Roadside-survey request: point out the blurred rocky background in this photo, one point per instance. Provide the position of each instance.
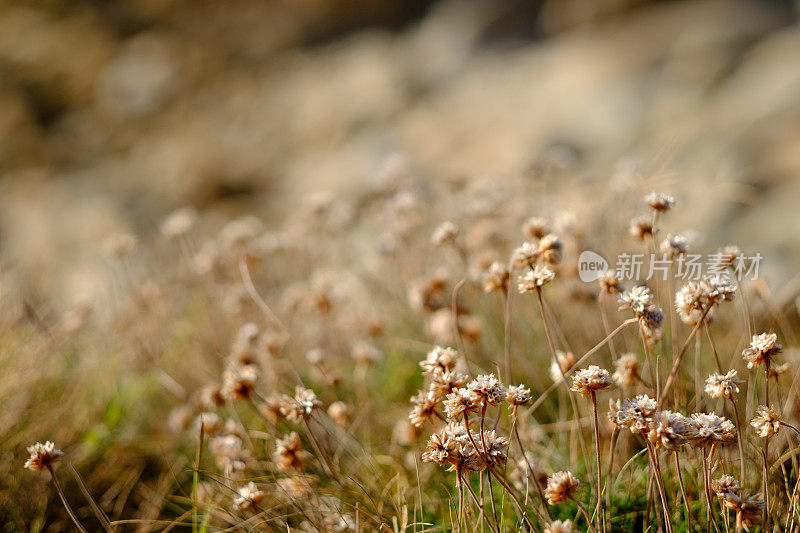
(115, 112)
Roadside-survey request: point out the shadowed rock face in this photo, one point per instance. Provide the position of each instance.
(116, 112)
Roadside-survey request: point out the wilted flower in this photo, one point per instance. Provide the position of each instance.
(425, 404)
(635, 414)
(641, 227)
(496, 277)
(444, 233)
(248, 498)
(533, 279)
(210, 422)
(610, 282)
(493, 448)
(179, 223)
(535, 228)
(439, 360)
(289, 452)
(443, 383)
(563, 360)
(767, 421)
(458, 402)
(526, 255)
(659, 201)
(669, 430)
(561, 486)
(43, 456)
(636, 299)
(710, 428)
(590, 380)
(518, 395)
(560, 526)
(626, 370)
(486, 389)
(239, 382)
(725, 484)
(340, 412)
(761, 350)
(550, 249)
(718, 385)
(674, 246)
(748, 509)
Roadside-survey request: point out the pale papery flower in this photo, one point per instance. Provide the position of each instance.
(626, 370)
(761, 350)
(238, 382)
(591, 380)
(634, 414)
(495, 278)
(725, 484)
(767, 421)
(43, 456)
(723, 386)
(669, 430)
(550, 249)
(486, 390)
(659, 201)
(560, 526)
(424, 407)
(211, 423)
(610, 283)
(439, 359)
(561, 486)
(636, 299)
(493, 448)
(458, 402)
(179, 223)
(247, 498)
(525, 256)
(289, 452)
(674, 246)
(535, 279)
(749, 507)
(443, 383)
(641, 227)
(710, 428)
(444, 233)
(563, 360)
(535, 228)
(518, 395)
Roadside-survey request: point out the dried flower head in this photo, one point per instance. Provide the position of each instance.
(550, 249)
(767, 421)
(211, 423)
(641, 227)
(610, 283)
(365, 353)
(651, 320)
(761, 350)
(247, 498)
(561, 486)
(439, 360)
(289, 452)
(443, 383)
(458, 402)
(212, 397)
(179, 223)
(238, 383)
(533, 279)
(726, 256)
(590, 380)
(535, 228)
(634, 414)
(674, 246)
(526, 255)
(486, 389)
(518, 395)
(340, 413)
(496, 277)
(725, 484)
(493, 448)
(659, 201)
(710, 428)
(560, 526)
(626, 370)
(748, 508)
(424, 407)
(669, 430)
(43, 456)
(445, 233)
(636, 299)
(723, 386)
(306, 400)
(562, 363)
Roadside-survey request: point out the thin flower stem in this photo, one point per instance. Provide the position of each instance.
(738, 438)
(766, 516)
(676, 365)
(60, 492)
(599, 511)
(683, 492)
(585, 513)
(654, 463)
(483, 443)
(480, 504)
(531, 473)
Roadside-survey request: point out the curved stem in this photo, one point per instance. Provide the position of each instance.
(60, 492)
